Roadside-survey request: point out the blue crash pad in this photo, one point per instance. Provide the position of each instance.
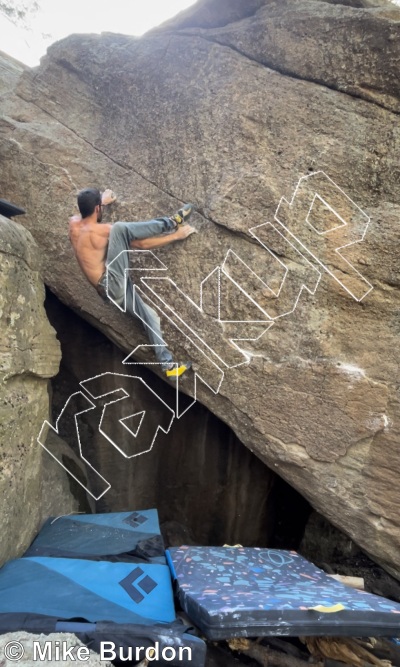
(244, 592)
(69, 588)
(116, 536)
(130, 604)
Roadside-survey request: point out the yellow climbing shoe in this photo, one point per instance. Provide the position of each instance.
(175, 370)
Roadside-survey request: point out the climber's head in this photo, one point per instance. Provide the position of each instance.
(88, 200)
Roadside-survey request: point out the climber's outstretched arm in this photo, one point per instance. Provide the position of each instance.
(158, 241)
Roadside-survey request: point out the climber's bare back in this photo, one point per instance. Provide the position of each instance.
(90, 243)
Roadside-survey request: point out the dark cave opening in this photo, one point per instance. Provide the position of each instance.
(207, 486)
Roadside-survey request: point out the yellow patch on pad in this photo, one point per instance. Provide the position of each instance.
(328, 610)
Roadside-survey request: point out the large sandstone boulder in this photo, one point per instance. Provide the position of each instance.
(231, 114)
(29, 355)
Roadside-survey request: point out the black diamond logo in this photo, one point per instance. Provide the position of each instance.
(146, 583)
(135, 519)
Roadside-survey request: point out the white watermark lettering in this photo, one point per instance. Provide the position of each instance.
(110, 651)
(61, 651)
(56, 651)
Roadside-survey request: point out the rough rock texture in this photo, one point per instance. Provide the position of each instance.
(29, 355)
(231, 117)
(61, 493)
(35, 645)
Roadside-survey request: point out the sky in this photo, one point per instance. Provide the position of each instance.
(58, 18)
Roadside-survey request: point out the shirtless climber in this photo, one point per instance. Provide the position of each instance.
(100, 246)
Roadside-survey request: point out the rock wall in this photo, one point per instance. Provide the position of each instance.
(63, 493)
(230, 113)
(29, 356)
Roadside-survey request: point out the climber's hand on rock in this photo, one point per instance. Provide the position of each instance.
(184, 231)
(108, 197)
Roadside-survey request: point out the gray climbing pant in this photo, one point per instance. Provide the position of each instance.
(116, 284)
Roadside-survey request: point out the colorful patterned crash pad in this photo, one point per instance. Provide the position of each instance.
(250, 592)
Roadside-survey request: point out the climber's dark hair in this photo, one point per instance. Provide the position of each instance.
(88, 199)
